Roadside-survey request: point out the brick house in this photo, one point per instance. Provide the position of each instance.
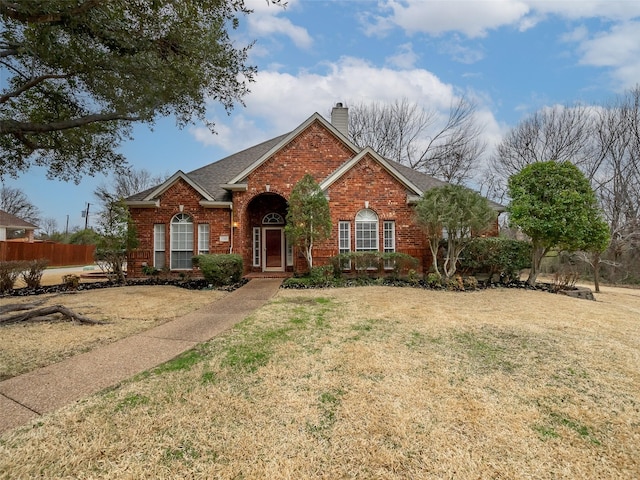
(239, 203)
(10, 224)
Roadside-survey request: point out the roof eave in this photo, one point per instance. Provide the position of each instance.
(210, 204)
(163, 187)
(143, 203)
(235, 187)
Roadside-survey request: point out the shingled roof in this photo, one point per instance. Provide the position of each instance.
(8, 220)
(213, 176)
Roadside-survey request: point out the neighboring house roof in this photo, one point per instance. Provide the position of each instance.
(216, 180)
(8, 220)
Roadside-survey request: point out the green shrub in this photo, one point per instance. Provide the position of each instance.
(495, 257)
(470, 283)
(434, 280)
(321, 274)
(224, 269)
(32, 275)
(400, 264)
(150, 270)
(71, 281)
(9, 273)
(374, 263)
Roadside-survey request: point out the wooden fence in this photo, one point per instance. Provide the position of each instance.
(58, 254)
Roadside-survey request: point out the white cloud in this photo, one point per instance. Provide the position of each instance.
(616, 10)
(404, 58)
(279, 102)
(270, 25)
(471, 18)
(459, 52)
(266, 21)
(618, 49)
(475, 18)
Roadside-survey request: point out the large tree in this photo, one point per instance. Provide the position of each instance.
(452, 212)
(447, 148)
(14, 201)
(554, 204)
(77, 73)
(308, 218)
(617, 179)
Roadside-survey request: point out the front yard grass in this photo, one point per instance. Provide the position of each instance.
(129, 310)
(374, 382)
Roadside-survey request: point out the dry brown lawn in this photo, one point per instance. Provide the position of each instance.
(367, 383)
(128, 310)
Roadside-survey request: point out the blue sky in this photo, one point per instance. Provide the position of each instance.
(511, 56)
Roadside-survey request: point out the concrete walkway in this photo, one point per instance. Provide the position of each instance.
(27, 396)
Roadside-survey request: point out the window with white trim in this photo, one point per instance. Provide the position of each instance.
(344, 241)
(289, 253)
(389, 240)
(158, 245)
(181, 242)
(273, 219)
(203, 238)
(256, 246)
(366, 231)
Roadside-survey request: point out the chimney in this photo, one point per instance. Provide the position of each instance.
(340, 118)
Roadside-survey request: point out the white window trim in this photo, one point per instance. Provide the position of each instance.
(172, 243)
(256, 247)
(347, 241)
(368, 216)
(203, 238)
(159, 246)
(386, 237)
(289, 247)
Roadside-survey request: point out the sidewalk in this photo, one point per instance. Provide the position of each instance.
(27, 396)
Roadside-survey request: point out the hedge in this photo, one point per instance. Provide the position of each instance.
(223, 269)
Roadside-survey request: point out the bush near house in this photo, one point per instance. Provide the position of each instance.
(496, 258)
(9, 273)
(393, 264)
(223, 269)
(30, 270)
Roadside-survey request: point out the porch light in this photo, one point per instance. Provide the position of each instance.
(235, 224)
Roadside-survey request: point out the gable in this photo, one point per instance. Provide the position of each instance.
(311, 135)
(370, 155)
(367, 180)
(315, 151)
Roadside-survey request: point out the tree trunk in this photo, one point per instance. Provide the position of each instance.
(596, 271)
(433, 246)
(309, 256)
(538, 255)
(33, 313)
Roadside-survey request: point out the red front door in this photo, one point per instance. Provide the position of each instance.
(273, 249)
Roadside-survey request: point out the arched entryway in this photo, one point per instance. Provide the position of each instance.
(270, 252)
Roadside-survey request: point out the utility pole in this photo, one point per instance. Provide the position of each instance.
(66, 230)
(86, 216)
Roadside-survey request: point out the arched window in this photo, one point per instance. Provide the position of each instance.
(273, 219)
(366, 231)
(181, 242)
